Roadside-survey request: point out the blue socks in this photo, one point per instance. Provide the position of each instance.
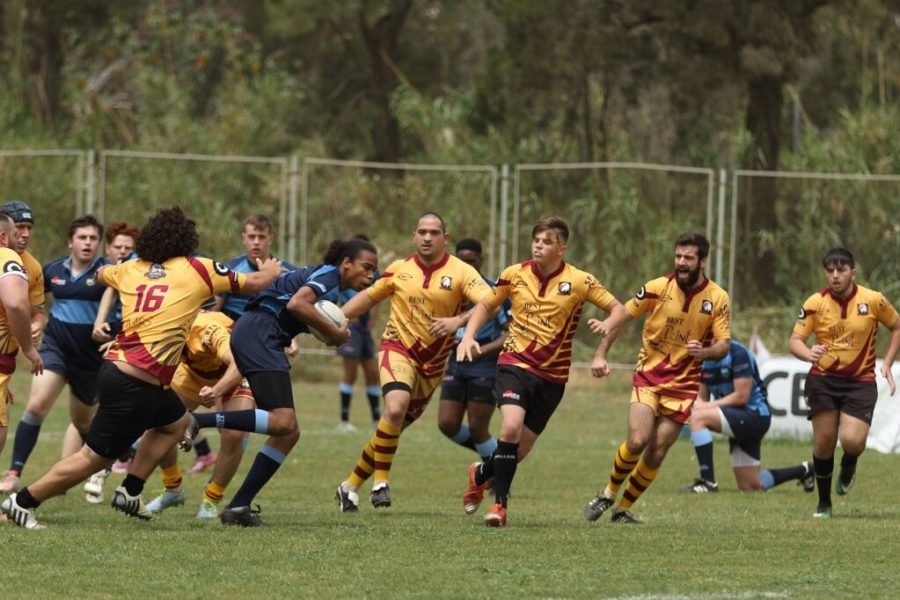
(703, 446)
(27, 432)
(266, 463)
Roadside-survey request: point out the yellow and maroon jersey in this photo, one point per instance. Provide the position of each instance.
(848, 328)
(545, 314)
(208, 341)
(159, 303)
(35, 279)
(420, 293)
(10, 266)
(677, 317)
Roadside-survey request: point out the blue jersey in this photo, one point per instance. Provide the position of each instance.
(235, 304)
(719, 376)
(76, 300)
(484, 366)
(324, 280)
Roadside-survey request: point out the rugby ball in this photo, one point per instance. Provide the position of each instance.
(330, 311)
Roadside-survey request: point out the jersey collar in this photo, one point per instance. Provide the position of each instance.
(689, 294)
(844, 302)
(544, 281)
(428, 270)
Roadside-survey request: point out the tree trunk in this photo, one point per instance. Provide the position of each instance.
(765, 101)
(381, 42)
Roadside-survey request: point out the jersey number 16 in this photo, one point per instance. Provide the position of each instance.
(150, 297)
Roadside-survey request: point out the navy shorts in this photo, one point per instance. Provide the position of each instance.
(81, 378)
(537, 396)
(479, 390)
(748, 428)
(128, 407)
(258, 343)
(361, 345)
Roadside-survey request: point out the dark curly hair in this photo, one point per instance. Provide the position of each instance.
(339, 249)
(168, 234)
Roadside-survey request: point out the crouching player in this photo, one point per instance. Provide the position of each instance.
(207, 375)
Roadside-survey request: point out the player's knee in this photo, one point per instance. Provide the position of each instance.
(448, 427)
(285, 426)
(636, 443)
(393, 413)
(232, 438)
(853, 446)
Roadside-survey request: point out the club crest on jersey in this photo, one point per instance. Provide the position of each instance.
(90, 281)
(13, 267)
(446, 282)
(862, 308)
(156, 272)
(565, 288)
(706, 307)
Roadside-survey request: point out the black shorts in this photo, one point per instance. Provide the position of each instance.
(271, 389)
(361, 345)
(850, 396)
(82, 380)
(128, 407)
(479, 390)
(537, 396)
(748, 428)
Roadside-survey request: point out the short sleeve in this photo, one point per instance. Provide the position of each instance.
(806, 320)
(887, 314)
(646, 298)
(740, 362)
(721, 328)
(384, 285)
(596, 293)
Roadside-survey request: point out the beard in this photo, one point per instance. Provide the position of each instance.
(693, 276)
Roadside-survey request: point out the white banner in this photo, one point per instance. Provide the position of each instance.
(785, 376)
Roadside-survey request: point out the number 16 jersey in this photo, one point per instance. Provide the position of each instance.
(159, 303)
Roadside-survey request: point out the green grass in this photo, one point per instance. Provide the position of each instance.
(726, 545)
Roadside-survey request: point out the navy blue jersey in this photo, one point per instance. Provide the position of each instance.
(483, 366)
(76, 300)
(324, 280)
(719, 376)
(235, 304)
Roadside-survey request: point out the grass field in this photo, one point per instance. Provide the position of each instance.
(725, 545)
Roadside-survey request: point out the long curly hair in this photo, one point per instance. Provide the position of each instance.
(168, 234)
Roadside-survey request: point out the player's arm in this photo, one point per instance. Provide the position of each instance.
(797, 346)
(716, 351)
(891, 354)
(468, 348)
(38, 323)
(210, 394)
(356, 306)
(268, 271)
(302, 307)
(743, 386)
(14, 296)
(102, 329)
(703, 393)
(608, 330)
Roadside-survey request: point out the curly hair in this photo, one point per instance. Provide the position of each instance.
(121, 228)
(339, 249)
(168, 234)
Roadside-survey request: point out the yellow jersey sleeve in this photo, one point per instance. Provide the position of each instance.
(646, 298)
(384, 286)
(596, 293)
(806, 320)
(35, 279)
(885, 312)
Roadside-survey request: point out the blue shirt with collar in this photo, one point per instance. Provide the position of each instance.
(235, 304)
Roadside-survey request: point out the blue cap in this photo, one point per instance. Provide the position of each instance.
(19, 211)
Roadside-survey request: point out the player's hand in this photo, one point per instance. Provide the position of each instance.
(292, 350)
(444, 326)
(208, 396)
(37, 365)
(105, 346)
(341, 339)
(599, 367)
(694, 348)
(598, 327)
(101, 333)
(886, 372)
(270, 266)
(467, 350)
(36, 334)
(9, 397)
(817, 352)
